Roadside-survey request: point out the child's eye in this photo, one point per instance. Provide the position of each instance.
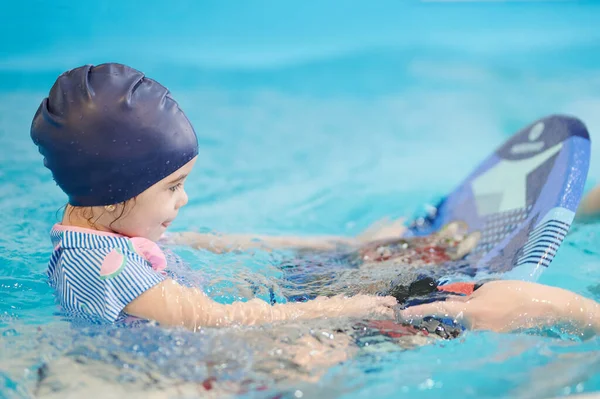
(175, 187)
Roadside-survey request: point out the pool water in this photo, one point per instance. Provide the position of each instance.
(312, 119)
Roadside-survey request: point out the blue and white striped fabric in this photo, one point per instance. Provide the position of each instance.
(95, 274)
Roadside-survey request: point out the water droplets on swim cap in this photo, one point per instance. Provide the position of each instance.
(107, 133)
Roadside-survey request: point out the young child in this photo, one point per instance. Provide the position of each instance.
(121, 149)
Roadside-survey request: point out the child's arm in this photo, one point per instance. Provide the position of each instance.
(232, 242)
(175, 305)
(512, 305)
(224, 243)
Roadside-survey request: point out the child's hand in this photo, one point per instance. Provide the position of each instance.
(357, 306)
(505, 306)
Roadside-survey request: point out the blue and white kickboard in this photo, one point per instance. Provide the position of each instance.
(522, 199)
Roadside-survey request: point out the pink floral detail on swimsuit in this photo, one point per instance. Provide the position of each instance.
(112, 264)
(150, 251)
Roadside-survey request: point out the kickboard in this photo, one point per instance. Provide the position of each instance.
(522, 200)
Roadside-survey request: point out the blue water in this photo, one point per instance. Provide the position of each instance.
(313, 119)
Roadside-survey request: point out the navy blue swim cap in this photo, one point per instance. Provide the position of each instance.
(108, 133)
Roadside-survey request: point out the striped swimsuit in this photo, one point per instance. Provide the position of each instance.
(97, 274)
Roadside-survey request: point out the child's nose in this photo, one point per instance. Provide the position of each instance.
(182, 200)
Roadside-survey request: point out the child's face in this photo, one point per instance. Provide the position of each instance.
(152, 211)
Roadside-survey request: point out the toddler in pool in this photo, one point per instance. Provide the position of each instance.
(121, 149)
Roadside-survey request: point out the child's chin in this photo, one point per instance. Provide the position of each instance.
(154, 235)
